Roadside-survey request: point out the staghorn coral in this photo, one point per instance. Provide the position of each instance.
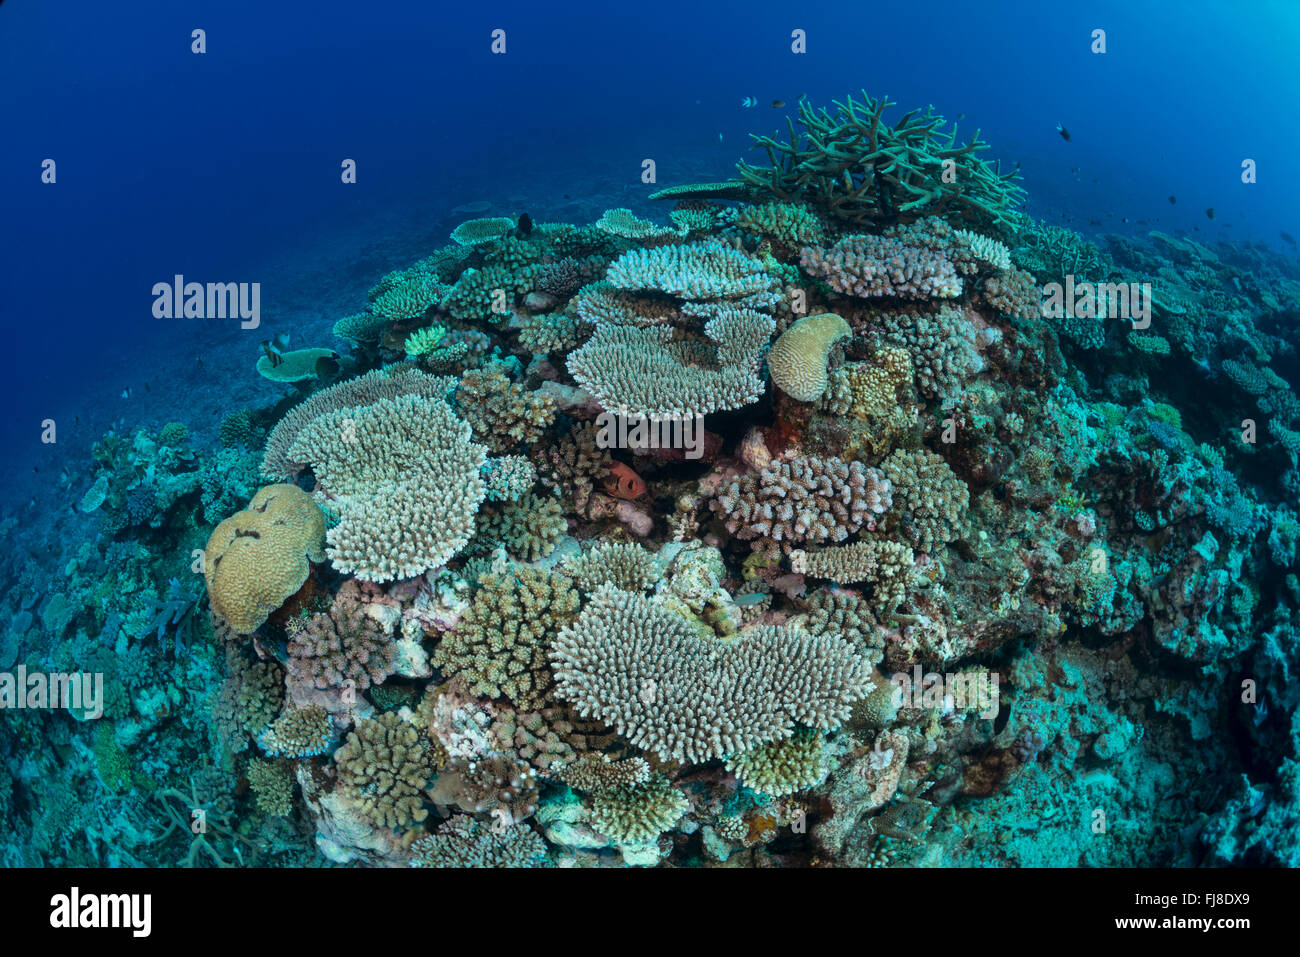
(502, 414)
(626, 566)
(799, 356)
(855, 167)
(498, 648)
(647, 673)
(782, 767)
(404, 477)
(383, 767)
(930, 501)
(803, 499)
(260, 556)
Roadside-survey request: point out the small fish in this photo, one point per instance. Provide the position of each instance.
(1210, 212)
(1074, 169)
(126, 393)
(146, 387)
(275, 347)
(719, 137)
(1124, 220)
(749, 102)
(1172, 200)
(1143, 222)
(777, 104)
(624, 483)
(36, 469)
(960, 117)
(753, 599)
(1287, 237)
(1065, 134)
(76, 420)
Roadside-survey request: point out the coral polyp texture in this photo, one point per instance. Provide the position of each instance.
(782, 524)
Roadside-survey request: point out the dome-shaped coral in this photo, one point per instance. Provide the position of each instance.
(257, 558)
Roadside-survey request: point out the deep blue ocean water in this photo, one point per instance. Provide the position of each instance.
(226, 165)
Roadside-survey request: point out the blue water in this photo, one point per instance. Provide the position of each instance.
(226, 165)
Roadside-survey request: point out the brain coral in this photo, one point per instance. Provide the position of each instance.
(803, 499)
(647, 673)
(405, 477)
(257, 558)
(799, 355)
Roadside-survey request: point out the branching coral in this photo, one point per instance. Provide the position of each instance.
(383, 768)
(502, 414)
(466, 842)
(527, 528)
(499, 646)
(298, 733)
(783, 767)
(344, 647)
(856, 167)
(647, 673)
(639, 812)
(629, 567)
(930, 501)
(886, 566)
(803, 499)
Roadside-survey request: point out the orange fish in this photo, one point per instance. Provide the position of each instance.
(622, 482)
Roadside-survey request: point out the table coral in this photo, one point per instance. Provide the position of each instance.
(650, 675)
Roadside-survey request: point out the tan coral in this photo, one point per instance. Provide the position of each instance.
(257, 558)
(799, 356)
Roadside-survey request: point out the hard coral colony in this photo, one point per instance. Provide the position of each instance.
(447, 624)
